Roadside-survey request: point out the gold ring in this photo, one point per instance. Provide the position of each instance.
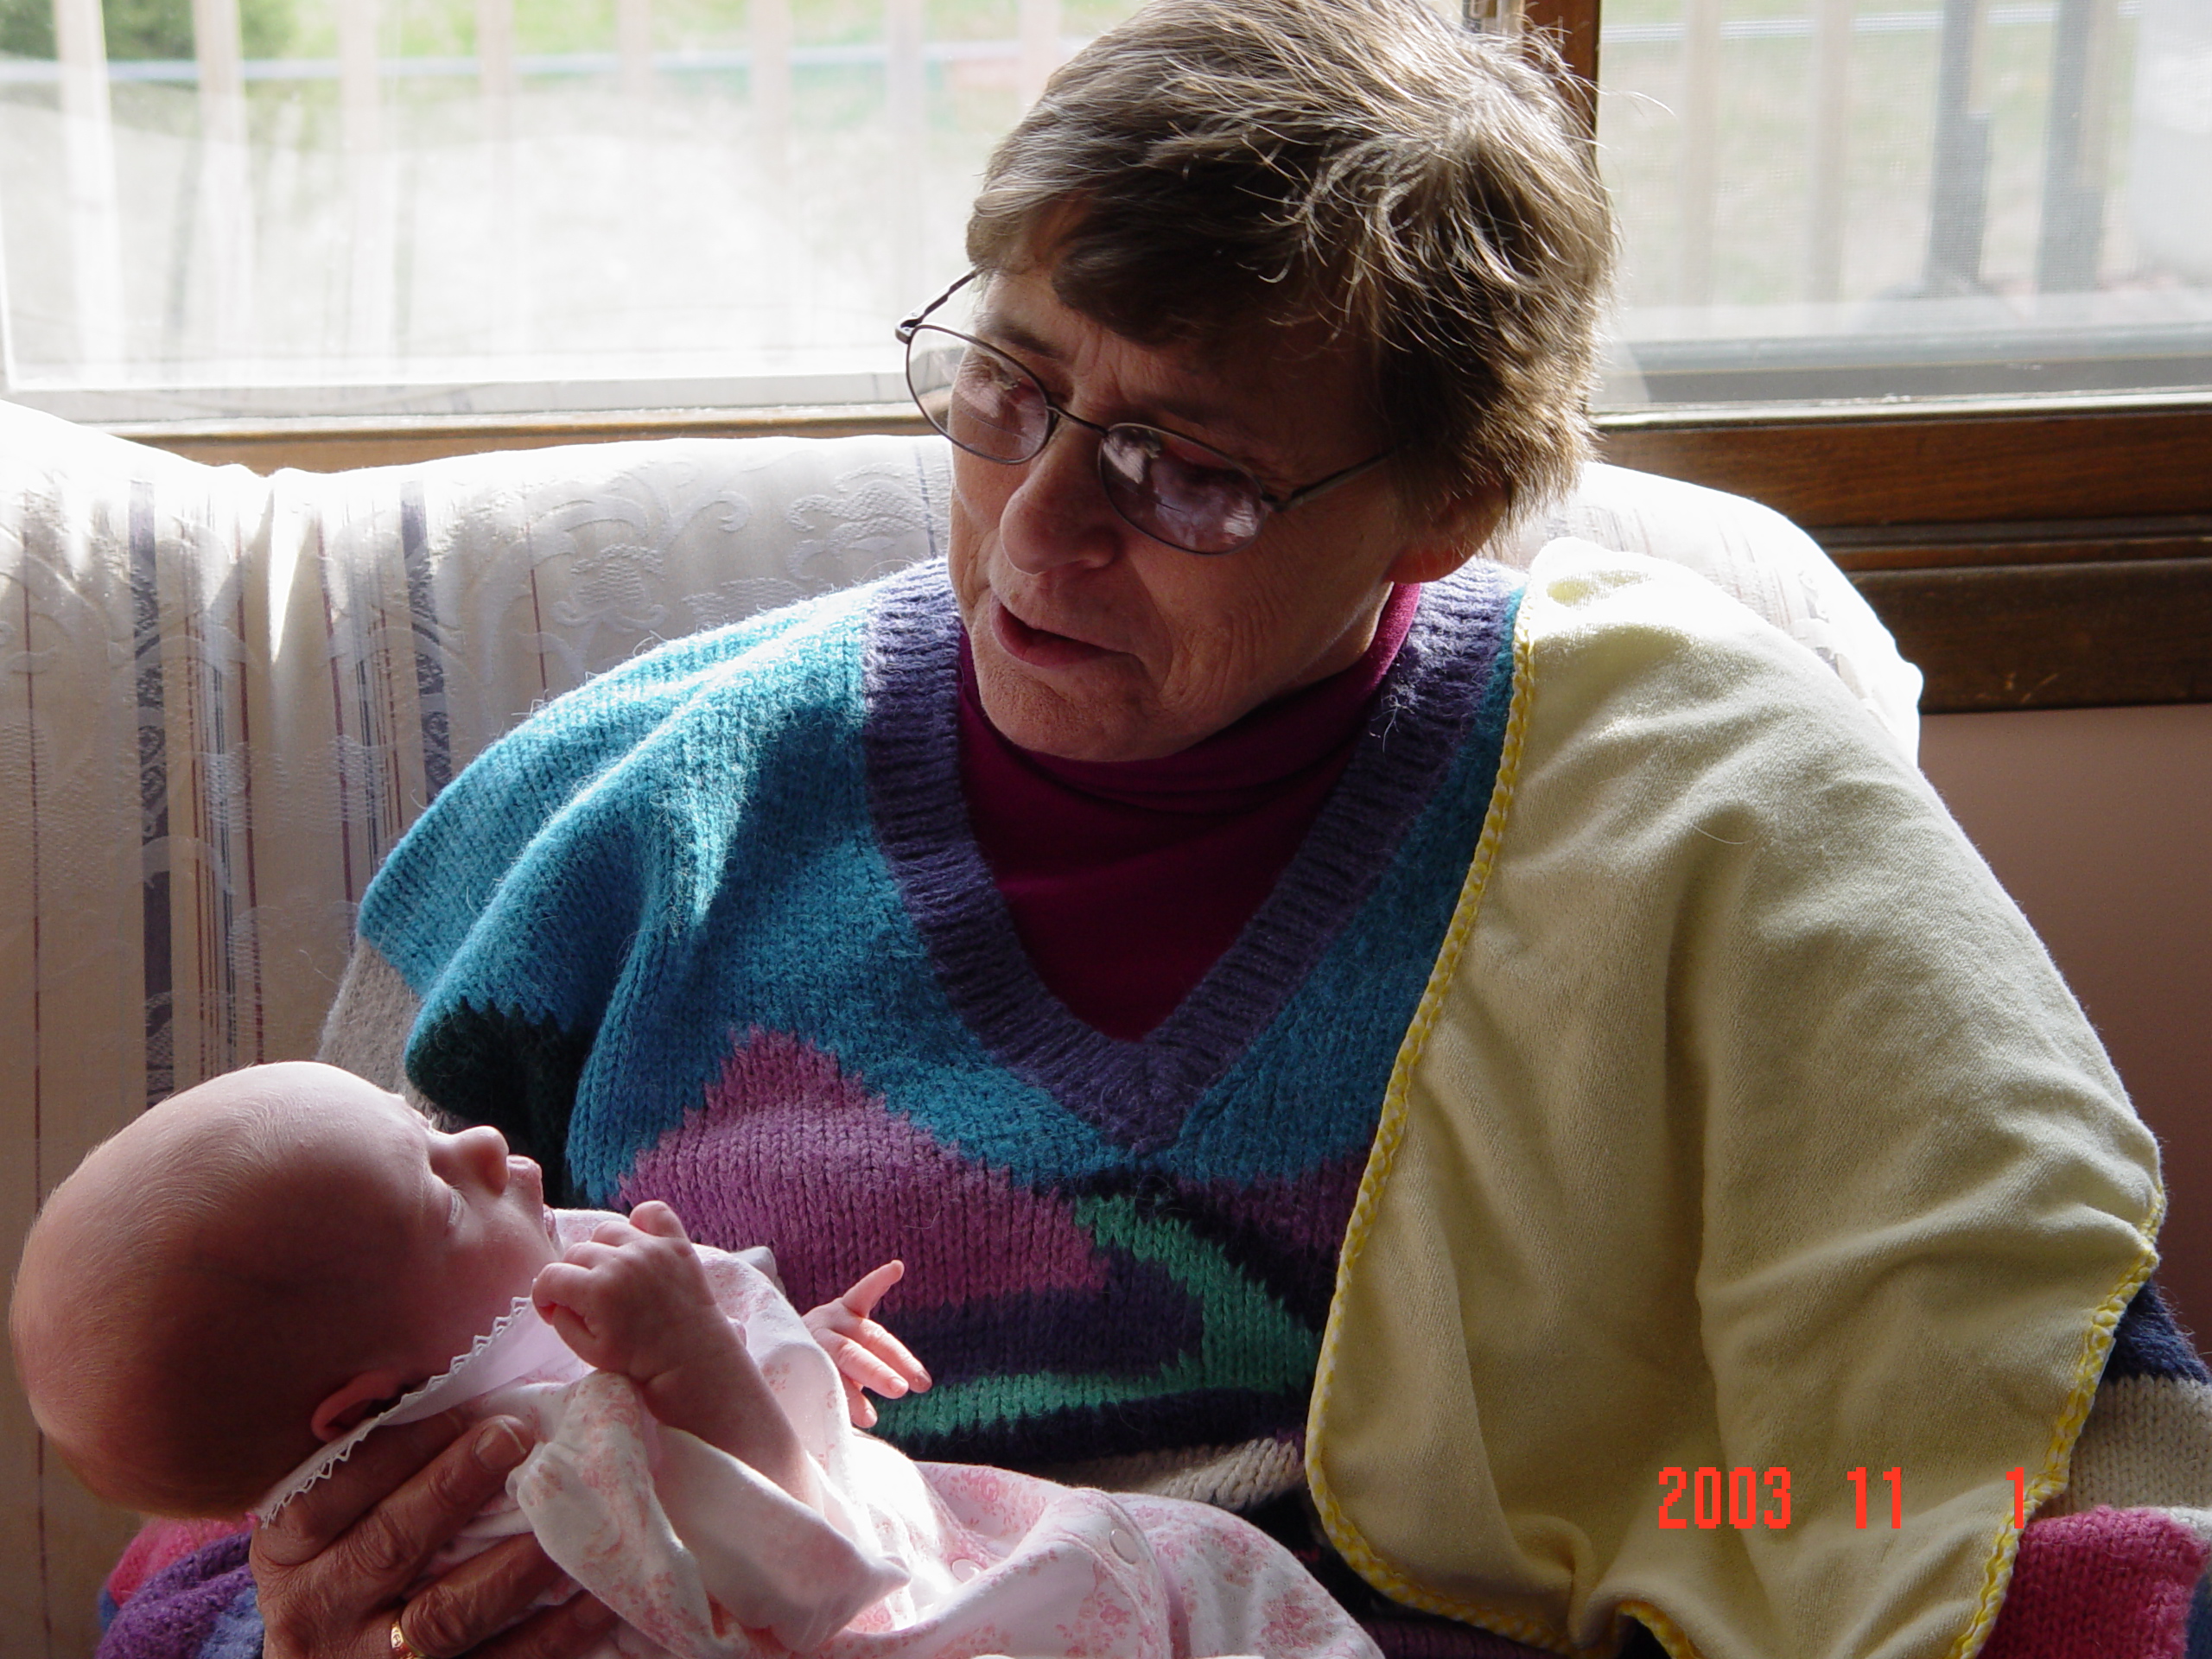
(400, 1646)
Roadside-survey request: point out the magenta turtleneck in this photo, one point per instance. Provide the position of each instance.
(1128, 880)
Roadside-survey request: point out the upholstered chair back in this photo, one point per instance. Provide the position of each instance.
(225, 696)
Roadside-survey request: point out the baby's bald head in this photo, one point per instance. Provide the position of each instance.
(190, 1292)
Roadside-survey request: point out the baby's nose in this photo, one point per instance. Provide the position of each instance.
(486, 1149)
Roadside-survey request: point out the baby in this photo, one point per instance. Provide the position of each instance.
(227, 1295)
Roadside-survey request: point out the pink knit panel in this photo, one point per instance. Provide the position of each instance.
(2112, 1584)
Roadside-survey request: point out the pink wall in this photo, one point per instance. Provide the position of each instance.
(2099, 821)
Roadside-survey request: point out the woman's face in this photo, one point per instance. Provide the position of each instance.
(1093, 641)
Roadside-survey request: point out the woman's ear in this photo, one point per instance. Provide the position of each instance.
(365, 1395)
(1454, 533)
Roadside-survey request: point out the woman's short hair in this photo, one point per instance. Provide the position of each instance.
(1425, 190)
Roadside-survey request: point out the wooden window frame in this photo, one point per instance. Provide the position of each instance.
(2051, 553)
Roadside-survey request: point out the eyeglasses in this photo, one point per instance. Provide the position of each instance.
(1175, 489)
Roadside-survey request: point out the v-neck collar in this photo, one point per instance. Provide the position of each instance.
(1138, 1093)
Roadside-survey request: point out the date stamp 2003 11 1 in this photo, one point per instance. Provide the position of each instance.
(1744, 1498)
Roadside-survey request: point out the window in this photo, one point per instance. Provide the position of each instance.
(1933, 279)
(332, 208)
(1932, 276)
(1832, 199)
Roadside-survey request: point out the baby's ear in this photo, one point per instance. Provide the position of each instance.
(365, 1395)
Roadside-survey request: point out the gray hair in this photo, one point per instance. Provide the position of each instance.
(1423, 190)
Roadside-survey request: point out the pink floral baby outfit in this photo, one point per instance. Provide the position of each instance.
(704, 1557)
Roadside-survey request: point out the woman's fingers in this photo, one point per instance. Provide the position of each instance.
(388, 1545)
(331, 1568)
(559, 1632)
(483, 1595)
(378, 1467)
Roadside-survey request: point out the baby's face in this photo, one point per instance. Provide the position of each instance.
(349, 1252)
(460, 1224)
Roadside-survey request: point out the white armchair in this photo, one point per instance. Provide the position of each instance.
(226, 696)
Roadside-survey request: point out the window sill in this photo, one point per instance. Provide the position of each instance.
(321, 444)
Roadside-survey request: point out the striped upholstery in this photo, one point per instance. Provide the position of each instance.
(225, 695)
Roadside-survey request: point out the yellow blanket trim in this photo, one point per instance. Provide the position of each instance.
(1669, 1634)
(1390, 1133)
(2096, 1347)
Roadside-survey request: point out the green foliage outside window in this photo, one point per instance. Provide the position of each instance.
(144, 29)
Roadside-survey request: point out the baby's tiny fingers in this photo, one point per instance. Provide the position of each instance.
(563, 1283)
(591, 1252)
(892, 1353)
(865, 1294)
(858, 1406)
(659, 1219)
(860, 1366)
(580, 1338)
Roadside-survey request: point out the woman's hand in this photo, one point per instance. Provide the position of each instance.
(332, 1572)
(867, 1355)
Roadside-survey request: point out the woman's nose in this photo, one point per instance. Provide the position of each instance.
(1058, 513)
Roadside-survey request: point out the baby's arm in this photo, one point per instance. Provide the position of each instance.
(867, 1355)
(634, 1299)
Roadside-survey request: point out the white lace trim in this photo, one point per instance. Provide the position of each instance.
(519, 1344)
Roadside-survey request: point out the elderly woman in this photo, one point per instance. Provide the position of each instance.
(1519, 1088)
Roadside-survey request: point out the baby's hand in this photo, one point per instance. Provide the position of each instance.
(633, 1298)
(868, 1356)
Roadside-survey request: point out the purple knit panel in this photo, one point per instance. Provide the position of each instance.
(1138, 1093)
(174, 1613)
(783, 1141)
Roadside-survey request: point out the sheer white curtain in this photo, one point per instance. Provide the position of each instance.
(446, 205)
(334, 206)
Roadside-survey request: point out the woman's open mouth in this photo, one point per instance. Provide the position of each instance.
(1039, 647)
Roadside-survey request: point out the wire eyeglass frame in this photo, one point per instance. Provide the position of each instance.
(1235, 504)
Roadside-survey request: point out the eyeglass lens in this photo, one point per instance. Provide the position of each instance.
(1172, 489)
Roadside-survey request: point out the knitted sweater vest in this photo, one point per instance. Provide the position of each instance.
(714, 930)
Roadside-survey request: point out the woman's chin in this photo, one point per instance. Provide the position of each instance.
(1077, 712)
